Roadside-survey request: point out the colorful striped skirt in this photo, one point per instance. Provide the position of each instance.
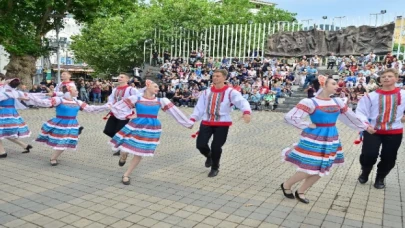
(12, 125)
(60, 133)
(139, 137)
(317, 151)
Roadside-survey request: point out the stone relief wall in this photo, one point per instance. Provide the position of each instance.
(348, 41)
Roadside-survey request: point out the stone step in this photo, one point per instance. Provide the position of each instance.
(291, 101)
(299, 94)
(282, 110)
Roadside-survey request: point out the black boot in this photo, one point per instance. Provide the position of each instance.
(379, 182)
(208, 162)
(213, 173)
(363, 178)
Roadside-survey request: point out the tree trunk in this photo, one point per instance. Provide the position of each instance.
(22, 67)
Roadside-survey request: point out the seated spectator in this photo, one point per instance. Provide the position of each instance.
(245, 94)
(350, 80)
(185, 97)
(162, 91)
(195, 94)
(372, 86)
(176, 97)
(354, 100)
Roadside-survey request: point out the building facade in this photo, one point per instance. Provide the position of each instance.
(399, 34)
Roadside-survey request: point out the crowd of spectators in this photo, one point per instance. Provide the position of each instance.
(262, 81)
(359, 75)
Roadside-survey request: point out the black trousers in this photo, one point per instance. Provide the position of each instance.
(113, 126)
(331, 65)
(371, 150)
(220, 134)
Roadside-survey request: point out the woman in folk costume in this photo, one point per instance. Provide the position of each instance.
(319, 148)
(141, 135)
(62, 132)
(122, 91)
(12, 126)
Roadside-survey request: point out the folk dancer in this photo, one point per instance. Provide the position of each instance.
(114, 125)
(319, 148)
(141, 135)
(214, 107)
(384, 108)
(65, 77)
(62, 132)
(12, 126)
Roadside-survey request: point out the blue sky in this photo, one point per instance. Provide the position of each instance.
(315, 9)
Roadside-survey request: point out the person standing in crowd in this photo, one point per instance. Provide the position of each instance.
(213, 108)
(384, 109)
(62, 132)
(122, 91)
(331, 61)
(311, 74)
(96, 90)
(319, 148)
(12, 126)
(141, 135)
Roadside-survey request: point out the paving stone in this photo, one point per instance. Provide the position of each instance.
(85, 191)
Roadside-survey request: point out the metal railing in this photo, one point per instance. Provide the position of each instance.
(242, 40)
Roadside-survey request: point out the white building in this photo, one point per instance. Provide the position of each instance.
(3, 59)
(70, 29)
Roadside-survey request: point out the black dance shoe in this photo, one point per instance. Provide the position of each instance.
(3, 155)
(122, 162)
(288, 195)
(80, 130)
(118, 153)
(208, 162)
(213, 173)
(27, 149)
(379, 183)
(363, 178)
(302, 200)
(54, 163)
(126, 182)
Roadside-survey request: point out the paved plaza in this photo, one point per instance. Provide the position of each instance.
(173, 190)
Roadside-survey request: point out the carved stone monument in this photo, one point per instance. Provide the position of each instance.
(348, 41)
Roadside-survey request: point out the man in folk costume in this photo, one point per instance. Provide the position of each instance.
(213, 108)
(114, 125)
(384, 110)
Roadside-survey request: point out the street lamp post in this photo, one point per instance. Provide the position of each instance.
(144, 50)
(308, 20)
(340, 21)
(57, 52)
(324, 22)
(382, 12)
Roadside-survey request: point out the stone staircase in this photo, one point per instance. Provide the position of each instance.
(287, 103)
(154, 71)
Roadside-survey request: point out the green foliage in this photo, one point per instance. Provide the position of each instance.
(116, 44)
(24, 22)
(401, 50)
(113, 44)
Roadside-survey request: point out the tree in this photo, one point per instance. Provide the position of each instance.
(116, 44)
(23, 24)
